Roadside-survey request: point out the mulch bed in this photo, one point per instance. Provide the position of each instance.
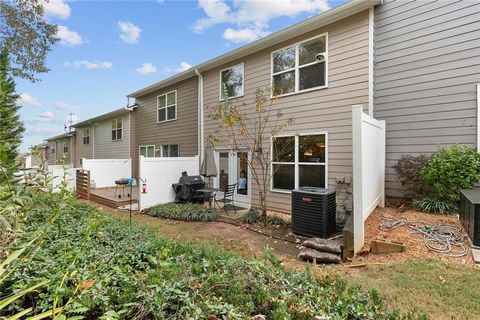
(414, 246)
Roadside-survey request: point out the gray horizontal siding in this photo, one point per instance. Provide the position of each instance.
(105, 148)
(427, 56)
(83, 150)
(326, 110)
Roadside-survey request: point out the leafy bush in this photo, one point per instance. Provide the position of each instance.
(435, 205)
(408, 169)
(184, 211)
(252, 216)
(276, 221)
(116, 270)
(450, 169)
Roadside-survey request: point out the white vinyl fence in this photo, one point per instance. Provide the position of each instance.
(104, 172)
(368, 170)
(62, 174)
(159, 174)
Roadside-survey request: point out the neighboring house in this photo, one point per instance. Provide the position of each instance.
(322, 66)
(427, 68)
(25, 160)
(61, 149)
(108, 136)
(166, 119)
(39, 154)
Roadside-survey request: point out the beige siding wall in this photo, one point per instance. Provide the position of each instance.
(325, 110)
(83, 150)
(57, 157)
(105, 148)
(183, 131)
(427, 66)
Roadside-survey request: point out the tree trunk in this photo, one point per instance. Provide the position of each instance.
(263, 207)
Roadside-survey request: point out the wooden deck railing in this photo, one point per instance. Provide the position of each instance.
(83, 184)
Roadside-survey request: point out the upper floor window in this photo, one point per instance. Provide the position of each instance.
(86, 136)
(65, 146)
(147, 151)
(167, 106)
(170, 150)
(117, 129)
(300, 67)
(231, 82)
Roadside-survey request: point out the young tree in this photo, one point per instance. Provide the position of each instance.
(26, 37)
(11, 128)
(251, 129)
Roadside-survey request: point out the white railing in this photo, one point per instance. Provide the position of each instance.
(368, 136)
(159, 174)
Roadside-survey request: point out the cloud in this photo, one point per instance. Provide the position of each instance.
(251, 17)
(146, 68)
(62, 105)
(161, 1)
(129, 33)
(27, 100)
(182, 67)
(48, 115)
(68, 37)
(88, 64)
(57, 9)
(243, 35)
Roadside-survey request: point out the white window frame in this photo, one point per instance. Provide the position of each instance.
(297, 67)
(167, 106)
(117, 128)
(65, 145)
(86, 136)
(296, 163)
(220, 82)
(169, 144)
(146, 153)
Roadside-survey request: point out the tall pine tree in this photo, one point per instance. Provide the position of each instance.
(11, 128)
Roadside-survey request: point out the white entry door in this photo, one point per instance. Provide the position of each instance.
(232, 168)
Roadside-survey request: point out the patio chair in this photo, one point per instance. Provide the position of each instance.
(228, 197)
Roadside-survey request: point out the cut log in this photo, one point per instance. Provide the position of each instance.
(330, 246)
(319, 257)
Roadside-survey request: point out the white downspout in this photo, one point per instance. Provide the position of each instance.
(201, 131)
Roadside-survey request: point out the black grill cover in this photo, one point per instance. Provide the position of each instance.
(186, 189)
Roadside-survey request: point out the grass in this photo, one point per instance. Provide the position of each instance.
(183, 212)
(441, 290)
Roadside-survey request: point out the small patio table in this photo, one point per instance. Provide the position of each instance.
(210, 192)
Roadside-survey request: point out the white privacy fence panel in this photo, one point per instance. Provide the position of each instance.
(104, 172)
(159, 174)
(62, 175)
(368, 170)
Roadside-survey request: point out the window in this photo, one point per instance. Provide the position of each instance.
(299, 161)
(86, 136)
(167, 107)
(300, 67)
(147, 151)
(117, 129)
(231, 82)
(65, 146)
(170, 150)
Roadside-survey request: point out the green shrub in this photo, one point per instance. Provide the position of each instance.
(276, 221)
(252, 216)
(451, 169)
(118, 270)
(184, 212)
(435, 205)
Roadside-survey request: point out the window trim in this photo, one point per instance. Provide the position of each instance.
(147, 146)
(86, 136)
(297, 67)
(296, 163)
(116, 128)
(65, 145)
(166, 106)
(220, 82)
(169, 144)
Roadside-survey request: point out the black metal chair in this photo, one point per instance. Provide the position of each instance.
(228, 197)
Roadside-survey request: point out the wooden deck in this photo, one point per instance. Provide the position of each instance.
(107, 196)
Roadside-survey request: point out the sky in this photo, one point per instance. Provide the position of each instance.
(109, 49)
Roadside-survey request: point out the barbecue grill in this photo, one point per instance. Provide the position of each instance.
(186, 190)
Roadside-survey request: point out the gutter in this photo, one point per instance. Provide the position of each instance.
(201, 133)
(93, 138)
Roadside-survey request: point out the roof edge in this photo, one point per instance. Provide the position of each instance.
(327, 17)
